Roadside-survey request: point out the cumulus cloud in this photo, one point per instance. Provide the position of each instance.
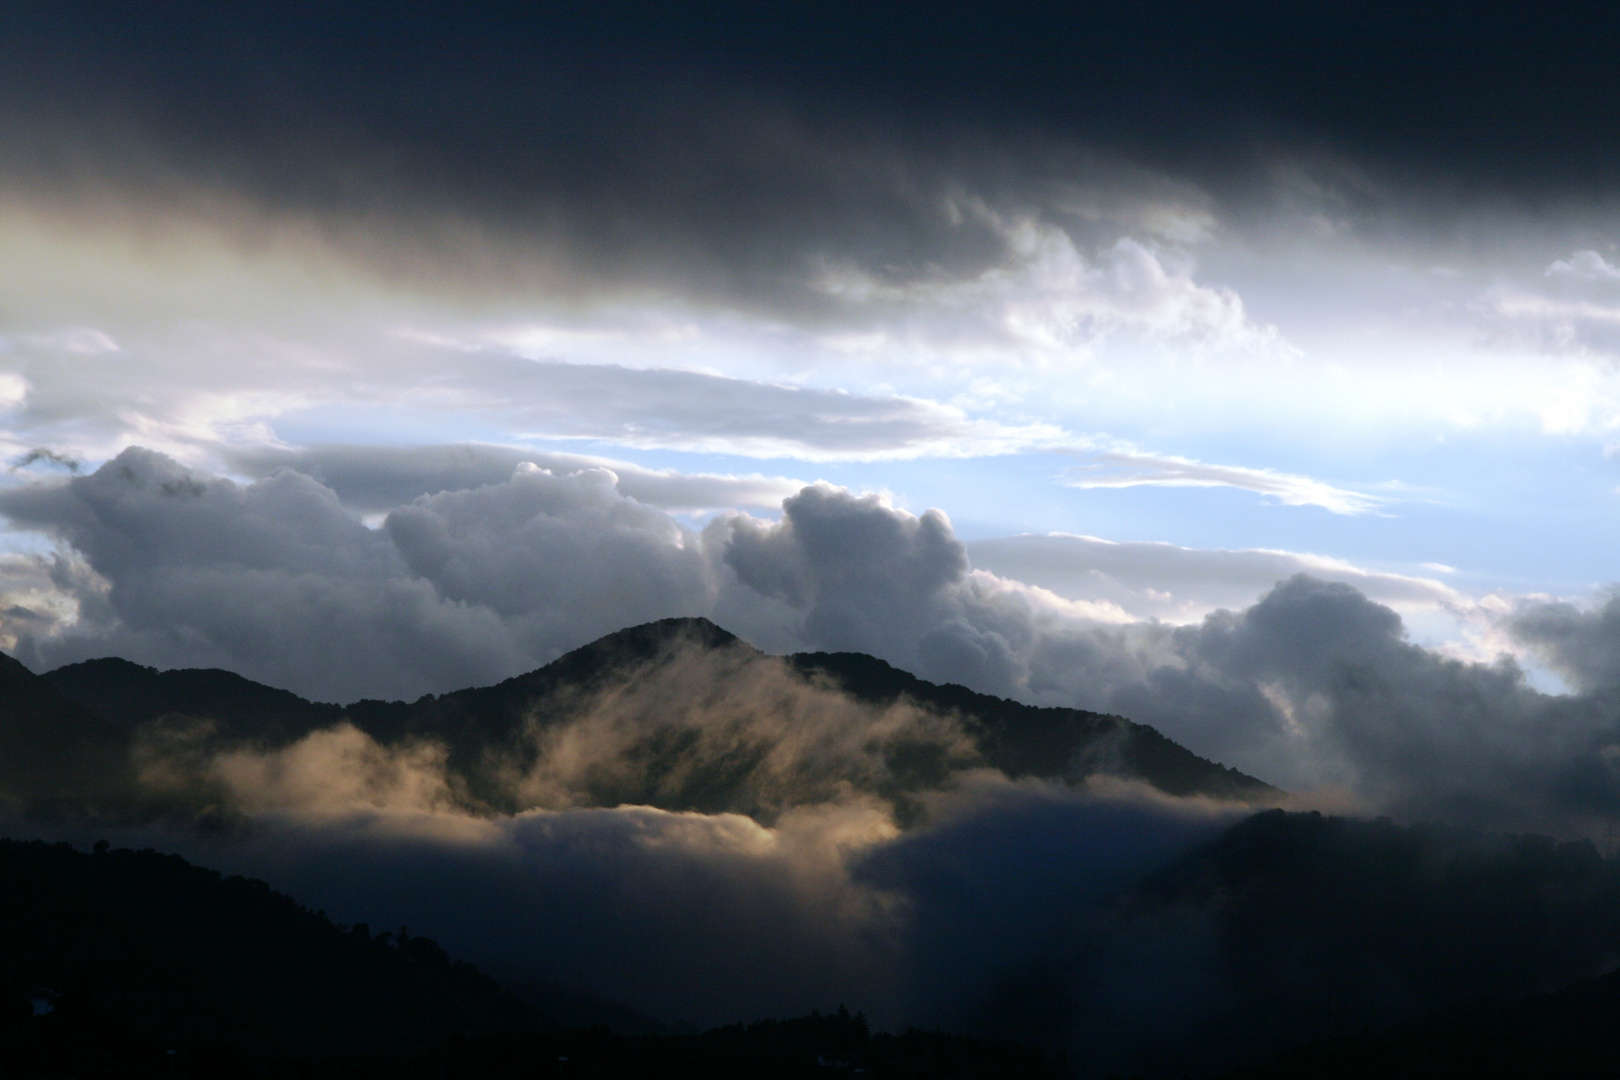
(372, 479)
(277, 580)
(1122, 470)
(1314, 687)
(718, 837)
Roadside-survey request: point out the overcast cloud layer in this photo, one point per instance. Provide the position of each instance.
(1201, 253)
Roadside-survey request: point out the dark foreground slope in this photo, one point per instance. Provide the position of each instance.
(1574, 1032)
(152, 967)
(704, 710)
(185, 954)
(1304, 927)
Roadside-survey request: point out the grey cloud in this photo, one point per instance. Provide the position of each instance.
(1137, 935)
(711, 918)
(1585, 266)
(1050, 297)
(1313, 688)
(49, 456)
(1582, 645)
(861, 576)
(567, 550)
(372, 479)
(730, 154)
(230, 409)
(277, 580)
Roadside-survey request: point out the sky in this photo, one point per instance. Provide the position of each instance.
(1119, 316)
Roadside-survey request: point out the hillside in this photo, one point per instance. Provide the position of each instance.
(696, 715)
(1569, 1033)
(186, 954)
(152, 967)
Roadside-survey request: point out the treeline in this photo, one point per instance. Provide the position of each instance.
(80, 1041)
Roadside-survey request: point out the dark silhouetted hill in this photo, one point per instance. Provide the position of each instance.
(186, 955)
(489, 732)
(127, 695)
(56, 757)
(1574, 1032)
(152, 967)
(1317, 927)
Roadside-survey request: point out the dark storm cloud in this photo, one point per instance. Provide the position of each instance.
(1583, 646)
(725, 151)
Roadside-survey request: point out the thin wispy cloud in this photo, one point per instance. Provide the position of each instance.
(1127, 470)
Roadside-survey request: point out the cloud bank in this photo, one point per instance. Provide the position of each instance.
(1314, 688)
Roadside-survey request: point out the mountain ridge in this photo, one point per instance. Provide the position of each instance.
(699, 713)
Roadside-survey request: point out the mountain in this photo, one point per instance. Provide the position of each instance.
(678, 714)
(1026, 740)
(56, 757)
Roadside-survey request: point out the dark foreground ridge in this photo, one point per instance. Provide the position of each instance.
(1574, 1032)
(126, 956)
(186, 955)
(113, 704)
